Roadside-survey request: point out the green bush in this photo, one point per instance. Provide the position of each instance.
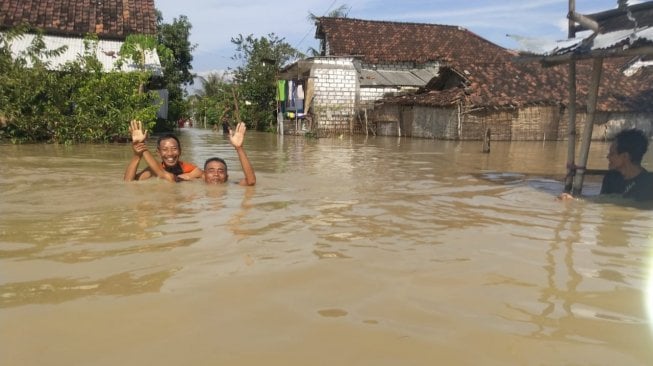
(75, 104)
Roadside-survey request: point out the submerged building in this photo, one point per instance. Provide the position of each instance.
(445, 82)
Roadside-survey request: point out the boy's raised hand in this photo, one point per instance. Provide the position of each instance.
(136, 129)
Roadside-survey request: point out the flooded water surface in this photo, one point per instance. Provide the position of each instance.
(348, 251)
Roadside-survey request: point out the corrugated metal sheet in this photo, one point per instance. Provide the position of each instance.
(425, 74)
(106, 52)
(417, 78)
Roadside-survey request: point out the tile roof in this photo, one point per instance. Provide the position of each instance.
(383, 41)
(618, 92)
(489, 75)
(521, 84)
(109, 19)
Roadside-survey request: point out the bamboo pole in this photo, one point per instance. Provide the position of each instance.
(571, 108)
(584, 21)
(593, 92)
(571, 128)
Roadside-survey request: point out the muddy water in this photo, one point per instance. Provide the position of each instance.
(377, 251)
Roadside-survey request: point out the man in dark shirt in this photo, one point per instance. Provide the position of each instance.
(627, 176)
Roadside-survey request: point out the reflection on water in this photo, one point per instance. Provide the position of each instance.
(56, 290)
(350, 251)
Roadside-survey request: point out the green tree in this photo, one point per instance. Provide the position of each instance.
(177, 68)
(214, 85)
(255, 79)
(135, 48)
(214, 100)
(79, 102)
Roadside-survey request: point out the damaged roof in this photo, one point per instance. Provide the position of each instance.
(485, 84)
(476, 71)
(513, 85)
(383, 41)
(109, 19)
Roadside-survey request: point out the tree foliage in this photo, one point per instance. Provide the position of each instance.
(214, 100)
(174, 38)
(77, 103)
(255, 79)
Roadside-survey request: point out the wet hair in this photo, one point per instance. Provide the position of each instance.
(167, 137)
(634, 142)
(219, 160)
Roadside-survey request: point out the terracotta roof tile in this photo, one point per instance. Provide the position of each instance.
(520, 84)
(109, 19)
(382, 41)
(489, 75)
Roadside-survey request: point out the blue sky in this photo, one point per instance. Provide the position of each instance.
(216, 21)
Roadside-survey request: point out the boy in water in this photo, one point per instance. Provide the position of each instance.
(169, 149)
(215, 169)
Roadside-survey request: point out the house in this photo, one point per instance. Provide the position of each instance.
(445, 82)
(515, 101)
(67, 22)
(362, 61)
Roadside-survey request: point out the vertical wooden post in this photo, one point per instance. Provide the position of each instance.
(486, 141)
(459, 130)
(571, 108)
(571, 128)
(593, 93)
(401, 112)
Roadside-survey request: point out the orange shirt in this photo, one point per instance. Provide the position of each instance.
(185, 167)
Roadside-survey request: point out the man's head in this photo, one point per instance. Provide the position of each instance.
(169, 149)
(629, 147)
(215, 171)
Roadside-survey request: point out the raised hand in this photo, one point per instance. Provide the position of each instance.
(139, 148)
(238, 136)
(136, 129)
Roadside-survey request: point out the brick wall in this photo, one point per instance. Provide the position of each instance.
(336, 83)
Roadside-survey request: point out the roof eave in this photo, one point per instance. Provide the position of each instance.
(565, 58)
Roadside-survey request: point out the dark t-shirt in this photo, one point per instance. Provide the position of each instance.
(639, 188)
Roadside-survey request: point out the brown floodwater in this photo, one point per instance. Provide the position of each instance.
(348, 251)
